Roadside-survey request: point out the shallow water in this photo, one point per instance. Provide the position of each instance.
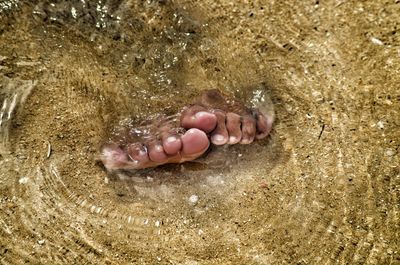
(323, 189)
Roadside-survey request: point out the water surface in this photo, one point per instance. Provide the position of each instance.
(323, 189)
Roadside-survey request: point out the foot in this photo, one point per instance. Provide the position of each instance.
(225, 120)
(211, 119)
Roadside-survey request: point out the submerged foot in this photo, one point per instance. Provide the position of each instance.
(212, 118)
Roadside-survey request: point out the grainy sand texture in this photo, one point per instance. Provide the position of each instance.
(324, 188)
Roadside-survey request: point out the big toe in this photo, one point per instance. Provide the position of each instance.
(197, 117)
(194, 143)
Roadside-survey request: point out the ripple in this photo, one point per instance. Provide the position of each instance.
(323, 189)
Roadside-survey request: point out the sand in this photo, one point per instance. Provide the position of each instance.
(322, 189)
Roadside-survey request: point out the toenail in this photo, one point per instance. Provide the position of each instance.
(245, 141)
(134, 161)
(218, 138)
(158, 148)
(232, 139)
(200, 114)
(171, 139)
(193, 130)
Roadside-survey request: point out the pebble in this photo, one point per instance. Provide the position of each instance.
(193, 199)
(389, 152)
(376, 41)
(318, 96)
(23, 180)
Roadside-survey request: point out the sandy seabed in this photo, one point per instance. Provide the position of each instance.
(324, 188)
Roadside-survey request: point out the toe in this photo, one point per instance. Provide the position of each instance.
(263, 124)
(156, 152)
(248, 129)
(138, 152)
(233, 126)
(194, 143)
(197, 117)
(220, 135)
(114, 157)
(172, 144)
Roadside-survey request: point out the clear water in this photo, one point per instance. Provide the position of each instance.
(323, 189)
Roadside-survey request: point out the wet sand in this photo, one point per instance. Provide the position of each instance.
(322, 189)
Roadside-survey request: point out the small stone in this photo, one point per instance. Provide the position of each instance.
(193, 199)
(318, 96)
(48, 150)
(41, 242)
(23, 180)
(376, 41)
(389, 152)
(380, 124)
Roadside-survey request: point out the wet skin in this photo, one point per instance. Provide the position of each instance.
(211, 119)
